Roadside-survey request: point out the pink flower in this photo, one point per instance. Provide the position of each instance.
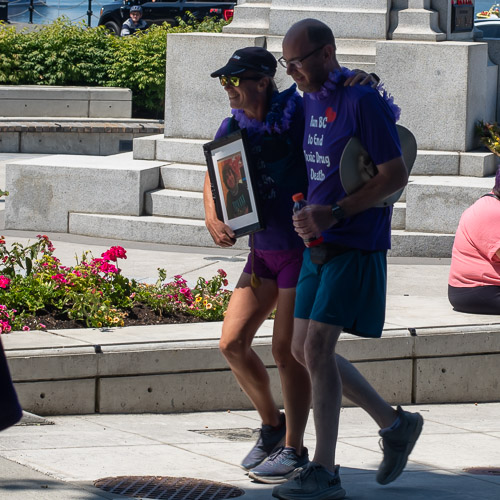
(4, 281)
(114, 253)
(41, 325)
(222, 273)
(26, 328)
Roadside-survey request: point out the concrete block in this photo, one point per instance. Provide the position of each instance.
(10, 142)
(181, 150)
(44, 92)
(172, 231)
(436, 163)
(58, 397)
(357, 349)
(109, 144)
(391, 379)
(458, 341)
(434, 205)
(156, 359)
(174, 203)
(457, 379)
(455, 88)
(398, 216)
(42, 190)
(45, 107)
(177, 393)
(251, 16)
(59, 365)
(60, 143)
(478, 163)
(414, 244)
(348, 19)
(184, 102)
(418, 22)
(59, 101)
(145, 147)
(110, 109)
(110, 94)
(183, 177)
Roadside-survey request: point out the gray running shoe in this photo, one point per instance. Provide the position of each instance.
(270, 439)
(280, 466)
(314, 482)
(398, 444)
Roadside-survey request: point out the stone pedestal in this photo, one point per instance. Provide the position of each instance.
(442, 88)
(195, 104)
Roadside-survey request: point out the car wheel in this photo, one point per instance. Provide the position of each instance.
(113, 27)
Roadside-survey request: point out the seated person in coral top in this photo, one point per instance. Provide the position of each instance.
(474, 282)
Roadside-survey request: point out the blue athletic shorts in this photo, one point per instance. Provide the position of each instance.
(348, 291)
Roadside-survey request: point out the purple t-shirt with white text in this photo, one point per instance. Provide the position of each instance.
(346, 112)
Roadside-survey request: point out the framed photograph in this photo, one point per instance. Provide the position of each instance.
(233, 186)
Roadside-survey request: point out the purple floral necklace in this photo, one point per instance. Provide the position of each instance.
(337, 78)
(279, 117)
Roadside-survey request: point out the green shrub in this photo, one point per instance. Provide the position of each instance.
(63, 53)
(93, 292)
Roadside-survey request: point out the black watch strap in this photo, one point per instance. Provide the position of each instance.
(337, 212)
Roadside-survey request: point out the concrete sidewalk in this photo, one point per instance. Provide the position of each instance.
(62, 461)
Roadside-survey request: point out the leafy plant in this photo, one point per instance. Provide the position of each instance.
(93, 292)
(63, 53)
(489, 136)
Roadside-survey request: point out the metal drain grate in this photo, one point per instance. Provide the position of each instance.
(483, 471)
(167, 488)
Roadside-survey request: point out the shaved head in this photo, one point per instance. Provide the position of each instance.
(316, 32)
(309, 53)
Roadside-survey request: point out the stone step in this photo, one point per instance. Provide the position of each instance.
(249, 17)
(175, 203)
(192, 232)
(168, 230)
(399, 216)
(477, 163)
(418, 244)
(183, 177)
(434, 204)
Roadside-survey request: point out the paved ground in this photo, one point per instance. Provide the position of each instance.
(61, 461)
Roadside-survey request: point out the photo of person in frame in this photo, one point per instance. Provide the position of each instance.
(235, 187)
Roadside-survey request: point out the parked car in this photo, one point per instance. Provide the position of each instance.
(490, 27)
(156, 12)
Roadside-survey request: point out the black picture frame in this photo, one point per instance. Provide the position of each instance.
(233, 185)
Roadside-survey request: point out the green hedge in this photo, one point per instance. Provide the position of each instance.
(68, 54)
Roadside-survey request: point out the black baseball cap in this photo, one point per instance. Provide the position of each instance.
(249, 58)
(136, 8)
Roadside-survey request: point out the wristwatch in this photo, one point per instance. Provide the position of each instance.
(337, 212)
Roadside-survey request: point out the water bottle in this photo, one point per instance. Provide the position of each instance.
(298, 204)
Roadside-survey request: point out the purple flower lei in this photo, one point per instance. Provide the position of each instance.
(338, 77)
(278, 118)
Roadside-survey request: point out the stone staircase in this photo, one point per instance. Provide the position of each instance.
(441, 187)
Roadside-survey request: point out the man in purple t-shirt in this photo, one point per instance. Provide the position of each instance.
(342, 285)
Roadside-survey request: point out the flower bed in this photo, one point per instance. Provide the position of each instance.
(38, 292)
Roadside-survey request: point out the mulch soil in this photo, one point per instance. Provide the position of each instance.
(139, 315)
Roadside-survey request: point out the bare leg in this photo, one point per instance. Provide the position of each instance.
(295, 382)
(362, 394)
(319, 351)
(247, 310)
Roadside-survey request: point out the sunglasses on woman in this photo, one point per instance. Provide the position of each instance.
(235, 80)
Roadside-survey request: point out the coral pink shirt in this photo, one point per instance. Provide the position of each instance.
(474, 261)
